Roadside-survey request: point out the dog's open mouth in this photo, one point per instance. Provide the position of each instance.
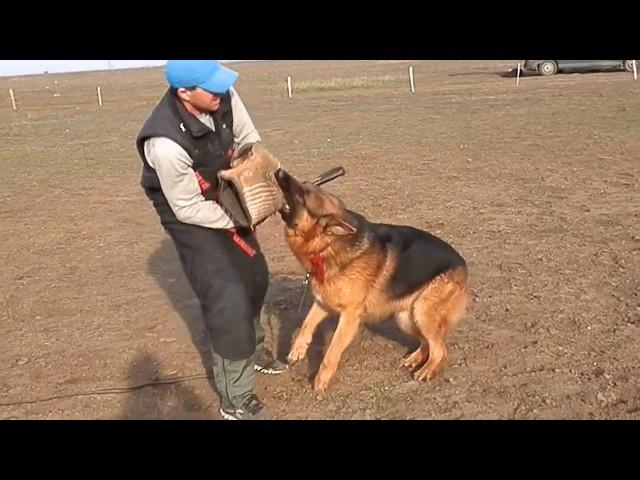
(286, 212)
(287, 185)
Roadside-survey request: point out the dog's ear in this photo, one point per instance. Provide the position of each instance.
(340, 226)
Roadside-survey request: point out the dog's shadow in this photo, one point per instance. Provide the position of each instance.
(283, 313)
(288, 302)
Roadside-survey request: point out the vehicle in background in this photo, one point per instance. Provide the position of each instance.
(551, 67)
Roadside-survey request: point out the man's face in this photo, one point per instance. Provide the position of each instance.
(200, 99)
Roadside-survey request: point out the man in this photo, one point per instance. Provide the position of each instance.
(191, 135)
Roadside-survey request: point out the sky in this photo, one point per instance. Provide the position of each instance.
(27, 67)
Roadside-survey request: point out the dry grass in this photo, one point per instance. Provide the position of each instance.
(341, 84)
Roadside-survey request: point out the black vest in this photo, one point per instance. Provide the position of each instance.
(211, 151)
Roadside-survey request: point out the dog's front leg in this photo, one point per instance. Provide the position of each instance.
(348, 327)
(314, 318)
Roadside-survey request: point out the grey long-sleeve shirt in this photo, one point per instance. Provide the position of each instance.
(174, 168)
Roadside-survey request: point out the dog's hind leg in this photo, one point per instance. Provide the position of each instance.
(407, 324)
(437, 349)
(437, 311)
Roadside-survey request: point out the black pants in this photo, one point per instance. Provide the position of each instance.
(230, 285)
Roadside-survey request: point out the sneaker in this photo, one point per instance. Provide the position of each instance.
(252, 409)
(268, 365)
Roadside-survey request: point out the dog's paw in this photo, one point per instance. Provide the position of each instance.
(421, 376)
(426, 373)
(298, 352)
(415, 360)
(321, 382)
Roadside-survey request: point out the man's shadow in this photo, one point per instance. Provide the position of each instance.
(150, 400)
(286, 304)
(165, 267)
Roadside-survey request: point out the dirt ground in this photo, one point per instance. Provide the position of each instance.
(536, 185)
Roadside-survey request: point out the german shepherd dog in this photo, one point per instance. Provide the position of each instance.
(369, 272)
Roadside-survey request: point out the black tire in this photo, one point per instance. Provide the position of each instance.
(548, 67)
(628, 65)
